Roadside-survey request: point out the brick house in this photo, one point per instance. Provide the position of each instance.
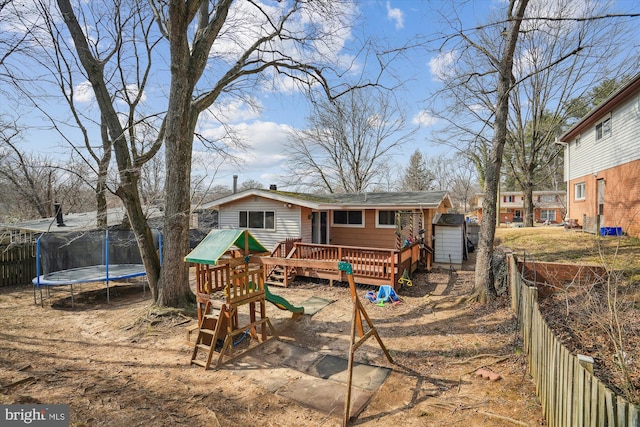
(548, 206)
(602, 163)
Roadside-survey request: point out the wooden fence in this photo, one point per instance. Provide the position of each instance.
(569, 393)
(17, 263)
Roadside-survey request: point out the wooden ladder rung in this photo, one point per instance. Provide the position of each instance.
(199, 363)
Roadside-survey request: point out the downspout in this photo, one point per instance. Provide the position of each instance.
(567, 173)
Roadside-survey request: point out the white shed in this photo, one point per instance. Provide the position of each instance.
(449, 245)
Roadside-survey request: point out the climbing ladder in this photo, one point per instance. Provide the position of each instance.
(219, 329)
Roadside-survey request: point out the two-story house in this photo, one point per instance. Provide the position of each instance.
(549, 206)
(602, 163)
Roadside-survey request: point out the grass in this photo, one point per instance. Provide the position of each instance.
(555, 244)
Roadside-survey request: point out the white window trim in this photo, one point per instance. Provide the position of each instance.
(333, 224)
(549, 212)
(257, 229)
(601, 124)
(378, 225)
(575, 190)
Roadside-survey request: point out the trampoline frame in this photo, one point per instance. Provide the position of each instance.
(134, 270)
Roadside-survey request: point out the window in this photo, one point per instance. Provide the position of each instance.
(257, 219)
(579, 191)
(509, 199)
(547, 198)
(348, 218)
(548, 215)
(603, 129)
(386, 219)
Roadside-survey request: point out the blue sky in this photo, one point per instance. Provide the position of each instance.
(264, 130)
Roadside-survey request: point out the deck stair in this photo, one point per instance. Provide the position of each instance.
(281, 276)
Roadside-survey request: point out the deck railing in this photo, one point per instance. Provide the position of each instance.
(370, 265)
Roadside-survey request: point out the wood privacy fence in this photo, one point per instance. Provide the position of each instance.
(17, 263)
(569, 393)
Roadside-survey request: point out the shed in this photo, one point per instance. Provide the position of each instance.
(449, 246)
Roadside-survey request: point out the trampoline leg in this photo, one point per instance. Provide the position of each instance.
(73, 303)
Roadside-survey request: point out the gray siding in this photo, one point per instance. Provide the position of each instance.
(287, 219)
(623, 146)
(448, 241)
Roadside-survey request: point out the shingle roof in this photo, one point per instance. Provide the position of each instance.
(426, 199)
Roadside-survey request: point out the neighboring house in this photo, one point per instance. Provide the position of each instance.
(365, 220)
(548, 206)
(602, 163)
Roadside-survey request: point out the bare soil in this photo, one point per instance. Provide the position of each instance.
(122, 363)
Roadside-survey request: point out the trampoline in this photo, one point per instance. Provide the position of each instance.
(94, 273)
(70, 253)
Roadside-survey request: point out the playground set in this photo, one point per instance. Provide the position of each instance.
(229, 279)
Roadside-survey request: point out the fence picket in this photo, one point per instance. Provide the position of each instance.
(570, 395)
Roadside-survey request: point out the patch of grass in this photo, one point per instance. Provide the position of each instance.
(555, 244)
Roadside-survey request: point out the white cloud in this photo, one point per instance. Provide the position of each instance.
(424, 119)
(396, 15)
(265, 149)
(441, 66)
(233, 111)
(84, 92)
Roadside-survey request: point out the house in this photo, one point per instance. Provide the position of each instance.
(548, 206)
(366, 219)
(602, 164)
(381, 234)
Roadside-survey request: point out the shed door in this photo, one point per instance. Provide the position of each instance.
(448, 243)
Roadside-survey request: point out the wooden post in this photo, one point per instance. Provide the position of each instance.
(356, 324)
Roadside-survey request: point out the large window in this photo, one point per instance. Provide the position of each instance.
(386, 219)
(603, 129)
(579, 191)
(257, 219)
(345, 218)
(548, 215)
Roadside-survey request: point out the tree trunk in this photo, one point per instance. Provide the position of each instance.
(484, 284)
(128, 187)
(528, 205)
(174, 289)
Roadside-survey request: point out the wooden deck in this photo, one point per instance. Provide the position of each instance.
(373, 266)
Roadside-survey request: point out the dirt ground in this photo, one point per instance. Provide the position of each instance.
(118, 363)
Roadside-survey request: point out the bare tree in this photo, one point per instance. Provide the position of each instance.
(347, 140)
(239, 44)
(32, 183)
(463, 184)
(557, 59)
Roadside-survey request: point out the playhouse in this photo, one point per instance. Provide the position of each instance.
(230, 287)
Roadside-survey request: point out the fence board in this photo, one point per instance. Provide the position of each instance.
(570, 395)
(17, 264)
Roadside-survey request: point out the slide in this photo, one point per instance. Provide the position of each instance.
(282, 303)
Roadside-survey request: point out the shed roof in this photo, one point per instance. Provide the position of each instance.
(448, 219)
(217, 242)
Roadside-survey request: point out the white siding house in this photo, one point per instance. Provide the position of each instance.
(602, 163)
(286, 219)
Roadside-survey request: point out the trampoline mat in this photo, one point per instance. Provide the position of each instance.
(93, 273)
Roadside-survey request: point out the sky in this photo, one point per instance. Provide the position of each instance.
(264, 130)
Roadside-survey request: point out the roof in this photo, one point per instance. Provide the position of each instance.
(217, 242)
(448, 219)
(615, 99)
(76, 221)
(396, 200)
